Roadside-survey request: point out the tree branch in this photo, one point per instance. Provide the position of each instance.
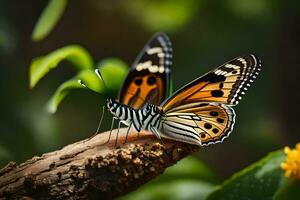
(91, 168)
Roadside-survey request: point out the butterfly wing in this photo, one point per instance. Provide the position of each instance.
(148, 80)
(198, 123)
(226, 84)
(200, 112)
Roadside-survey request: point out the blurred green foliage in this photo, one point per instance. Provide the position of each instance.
(204, 34)
(250, 9)
(81, 59)
(75, 54)
(167, 15)
(109, 67)
(189, 168)
(5, 156)
(188, 179)
(178, 190)
(48, 19)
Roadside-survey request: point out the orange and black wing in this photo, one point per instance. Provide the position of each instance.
(200, 112)
(226, 84)
(148, 80)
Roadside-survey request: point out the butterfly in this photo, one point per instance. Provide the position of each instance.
(148, 81)
(199, 113)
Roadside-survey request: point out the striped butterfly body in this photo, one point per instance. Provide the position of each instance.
(146, 118)
(199, 113)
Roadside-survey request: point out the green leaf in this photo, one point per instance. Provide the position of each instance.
(87, 76)
(48, 19)
(289, 189)
(62, 91)
(114, 70)
(36, 62)
(75, 54)
(258, 181)
(173, 190)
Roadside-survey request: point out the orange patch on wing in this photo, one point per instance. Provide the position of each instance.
(137, 95)
(181, 97)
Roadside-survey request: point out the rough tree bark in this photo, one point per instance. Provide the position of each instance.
(91, 168)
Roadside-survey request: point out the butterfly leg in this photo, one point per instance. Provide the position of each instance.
(129, 127)
(116, 141)
(112, 125)
(156, 133)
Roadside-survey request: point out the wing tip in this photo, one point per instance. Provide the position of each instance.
(162, 34)
(256, 59)
(256, 65)
(162, 37)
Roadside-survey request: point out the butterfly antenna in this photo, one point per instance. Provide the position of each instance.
(103, 110)
(81, 83)
(84, 85)
(99, 124)
(97, 71)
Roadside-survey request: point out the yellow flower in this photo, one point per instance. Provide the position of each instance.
(292, 164)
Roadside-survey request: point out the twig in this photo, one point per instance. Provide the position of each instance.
(91, 169)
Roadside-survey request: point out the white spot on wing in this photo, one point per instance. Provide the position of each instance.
(154, 50)
(144, 65)
(153, 69)
(243, 61)
(161, 69)
(160, 55)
